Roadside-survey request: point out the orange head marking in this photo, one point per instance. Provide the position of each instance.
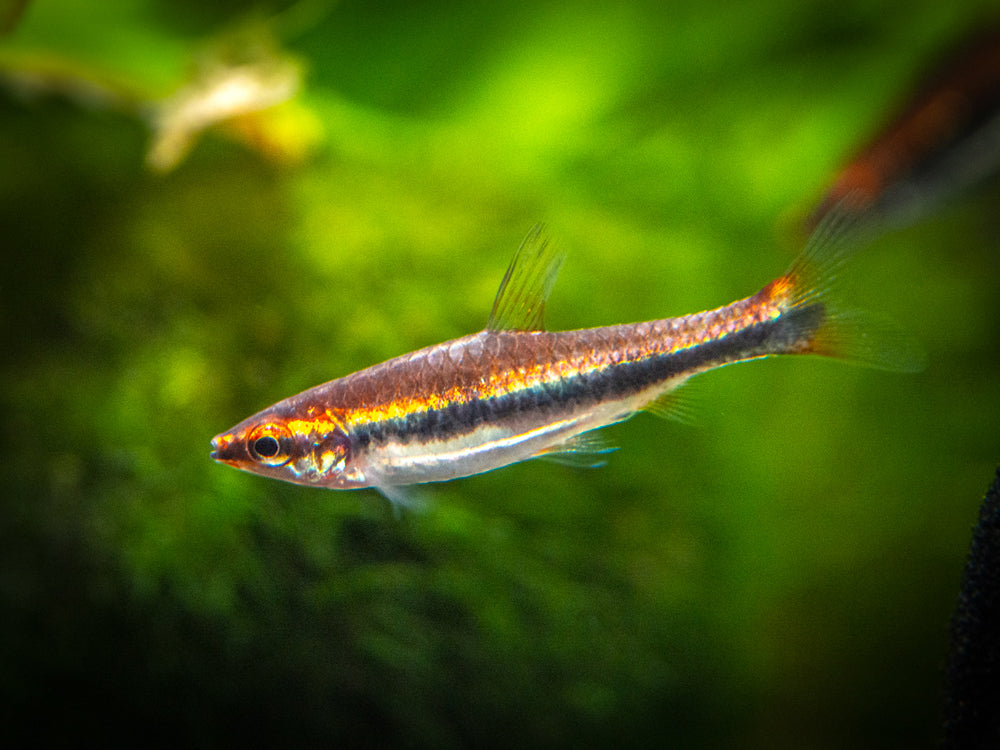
(300, 450)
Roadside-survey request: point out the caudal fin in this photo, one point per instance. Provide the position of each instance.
(812, 314)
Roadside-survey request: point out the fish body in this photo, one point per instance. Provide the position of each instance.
(943, 139)
(515, 391)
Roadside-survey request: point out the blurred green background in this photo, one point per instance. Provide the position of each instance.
(779, 572)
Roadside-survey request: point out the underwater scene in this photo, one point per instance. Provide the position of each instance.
(207, 208)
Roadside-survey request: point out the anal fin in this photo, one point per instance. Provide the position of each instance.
(674, 404)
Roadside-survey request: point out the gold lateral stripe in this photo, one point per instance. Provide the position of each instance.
(498, 384)
(641, 341)
(319, 425)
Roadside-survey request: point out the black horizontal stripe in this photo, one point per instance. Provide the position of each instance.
(588, 388)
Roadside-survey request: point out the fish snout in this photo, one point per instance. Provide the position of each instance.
(223, 448)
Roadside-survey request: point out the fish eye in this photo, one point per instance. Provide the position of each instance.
(270, 444)
(266, 447)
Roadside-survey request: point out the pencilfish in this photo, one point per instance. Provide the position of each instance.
(515, 391)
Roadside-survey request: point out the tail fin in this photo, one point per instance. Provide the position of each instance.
(814, 319)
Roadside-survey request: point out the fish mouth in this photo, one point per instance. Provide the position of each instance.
(220, 446)
(229, 449)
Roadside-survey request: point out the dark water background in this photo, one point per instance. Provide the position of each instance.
(777, 572)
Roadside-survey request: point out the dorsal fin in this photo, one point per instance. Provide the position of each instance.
(520, 301)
